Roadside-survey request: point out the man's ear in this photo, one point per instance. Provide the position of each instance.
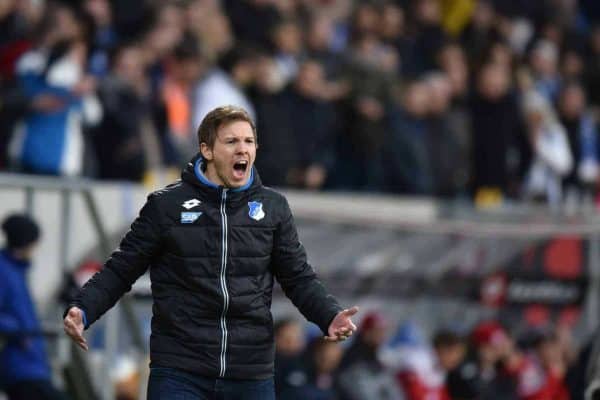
(206, 152)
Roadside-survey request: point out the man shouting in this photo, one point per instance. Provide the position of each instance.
(214, 241)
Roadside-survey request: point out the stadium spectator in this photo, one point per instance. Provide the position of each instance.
(323, 360)
(121, 149)
(312, 123)
(480, 31)
(450, 349)
(286, 39)
(453, 63)
(24, 369)
(452, 60)
(392, 27)
(592, 70)
(252, 20)
(50, 138)
(364, 20)
(526, 373)
(582, 135)
(15, 105)
(577, 377)
(14, 41)
(495, 137)
(362, 374)
(446, 141)
(319, 46)
(183, 69)
(370, 72)
(105, 37)
(544, 66)
(417, 368)
(406, 155)
(478, 376)
(224, 84)
(429, 37)
(501, 370)
(212, 332)
(551, 357)
(290, 370)
(211, 28)
(572, 65)
(278, 145)
(297, 125)
(164, 32)
(552, 156)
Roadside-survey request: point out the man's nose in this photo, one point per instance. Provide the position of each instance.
(242, 147)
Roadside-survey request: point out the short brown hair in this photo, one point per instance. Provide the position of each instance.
(207, 132)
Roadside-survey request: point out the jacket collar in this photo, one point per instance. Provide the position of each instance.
(194, 174)
(198, 171)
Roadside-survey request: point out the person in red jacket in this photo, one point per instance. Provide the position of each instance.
(539, 374)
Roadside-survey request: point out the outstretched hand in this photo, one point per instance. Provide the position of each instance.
(73, 324)
(342, 327)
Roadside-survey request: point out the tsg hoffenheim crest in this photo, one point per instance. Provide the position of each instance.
(256, 211)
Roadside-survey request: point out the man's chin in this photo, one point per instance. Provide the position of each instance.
(237, 183)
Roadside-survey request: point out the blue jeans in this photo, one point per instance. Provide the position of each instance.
(173, 384)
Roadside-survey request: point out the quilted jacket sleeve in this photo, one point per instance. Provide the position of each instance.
(126, 264)
(297, 277)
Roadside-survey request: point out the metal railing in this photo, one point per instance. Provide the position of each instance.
(66, 187)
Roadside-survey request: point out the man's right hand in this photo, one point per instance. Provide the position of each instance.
(73, 324)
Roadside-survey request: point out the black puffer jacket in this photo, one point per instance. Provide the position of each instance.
(212, 255)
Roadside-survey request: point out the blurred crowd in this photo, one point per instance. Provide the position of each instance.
(483, 99)
(401, 363)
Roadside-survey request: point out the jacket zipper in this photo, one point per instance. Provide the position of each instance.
(223, 285)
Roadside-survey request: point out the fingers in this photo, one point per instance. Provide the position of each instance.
(342, 326)
(83, 345)
(339, 335)
(75, 314)
(78, 339)
(343, 320)
(336, 338)
(74, 329)
(352, 326)
(351, 311)
(343, 331)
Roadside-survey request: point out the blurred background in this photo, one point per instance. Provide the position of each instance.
(441, 158)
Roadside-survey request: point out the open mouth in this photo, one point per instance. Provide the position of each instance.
(239, 168)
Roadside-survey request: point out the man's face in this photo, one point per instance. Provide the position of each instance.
(450, 356)
(25, 253)
(289, 340)
(230, 160)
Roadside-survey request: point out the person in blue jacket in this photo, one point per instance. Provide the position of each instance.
(24, 369)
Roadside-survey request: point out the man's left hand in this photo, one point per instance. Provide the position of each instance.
(342, 327)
